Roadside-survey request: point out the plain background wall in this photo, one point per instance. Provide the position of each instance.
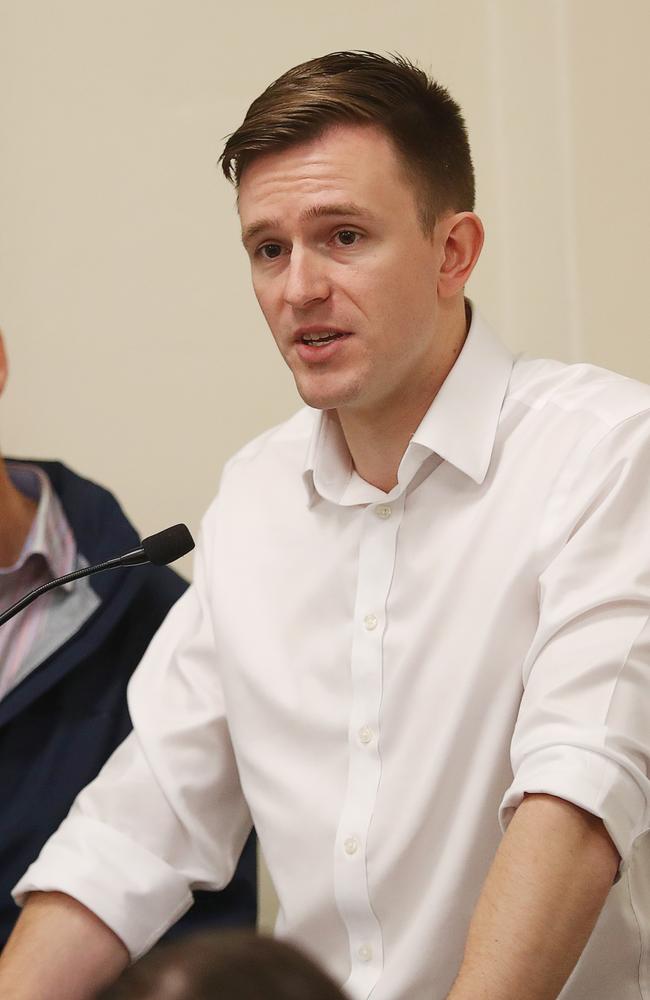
(137, 349)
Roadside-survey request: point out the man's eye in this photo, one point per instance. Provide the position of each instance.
(270, 250)
(347, 237)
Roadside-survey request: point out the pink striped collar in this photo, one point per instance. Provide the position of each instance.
(50, 534)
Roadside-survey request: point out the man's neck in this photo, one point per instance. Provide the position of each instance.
(16, 517)
(377, 442)
(377, 439)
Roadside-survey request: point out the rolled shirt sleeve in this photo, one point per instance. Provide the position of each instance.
(166, 814)
(583, 729)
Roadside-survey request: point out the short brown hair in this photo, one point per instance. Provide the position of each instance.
(231, 965)
(424, 123)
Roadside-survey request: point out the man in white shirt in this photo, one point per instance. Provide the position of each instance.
(415, 650)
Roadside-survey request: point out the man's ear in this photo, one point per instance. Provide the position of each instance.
(4, 367)
(462, 236)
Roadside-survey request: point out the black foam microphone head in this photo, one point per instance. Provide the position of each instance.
(166, 546)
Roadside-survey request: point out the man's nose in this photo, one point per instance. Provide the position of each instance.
(306, 279)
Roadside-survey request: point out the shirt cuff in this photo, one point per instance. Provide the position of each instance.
(609, 788)
(139, 896)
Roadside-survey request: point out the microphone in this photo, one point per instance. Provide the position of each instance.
(162, 548)
(159, 549)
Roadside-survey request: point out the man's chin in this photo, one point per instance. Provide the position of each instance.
(326, 397)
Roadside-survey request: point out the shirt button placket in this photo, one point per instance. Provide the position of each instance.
(377, 552)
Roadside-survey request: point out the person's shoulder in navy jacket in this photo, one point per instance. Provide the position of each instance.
(64, 719)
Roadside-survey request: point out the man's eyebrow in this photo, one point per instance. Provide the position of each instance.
(250, 232)
(346, 209)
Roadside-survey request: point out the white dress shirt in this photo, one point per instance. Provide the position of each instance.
(376, 679)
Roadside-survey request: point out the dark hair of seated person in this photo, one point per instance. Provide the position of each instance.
(228, 965)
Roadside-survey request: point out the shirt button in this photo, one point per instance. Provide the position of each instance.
(351, 845)
(366, 735)
(383, 511)
(370, 621)
(365, 953)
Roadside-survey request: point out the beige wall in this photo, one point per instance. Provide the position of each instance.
(138, 352)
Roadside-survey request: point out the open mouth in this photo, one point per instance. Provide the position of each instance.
(321, 339)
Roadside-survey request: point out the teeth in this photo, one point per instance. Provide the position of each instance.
(323, 338)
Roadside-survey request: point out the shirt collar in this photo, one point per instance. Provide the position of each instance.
(50, 535)
(460, 425)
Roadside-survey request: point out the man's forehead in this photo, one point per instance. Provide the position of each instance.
(327, 176)
(335, 143)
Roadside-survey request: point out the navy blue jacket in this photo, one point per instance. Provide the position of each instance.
(61, 723)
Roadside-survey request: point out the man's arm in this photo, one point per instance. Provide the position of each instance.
(539, 904)
(59, 950)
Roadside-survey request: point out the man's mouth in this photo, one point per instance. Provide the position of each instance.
(322, 337)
